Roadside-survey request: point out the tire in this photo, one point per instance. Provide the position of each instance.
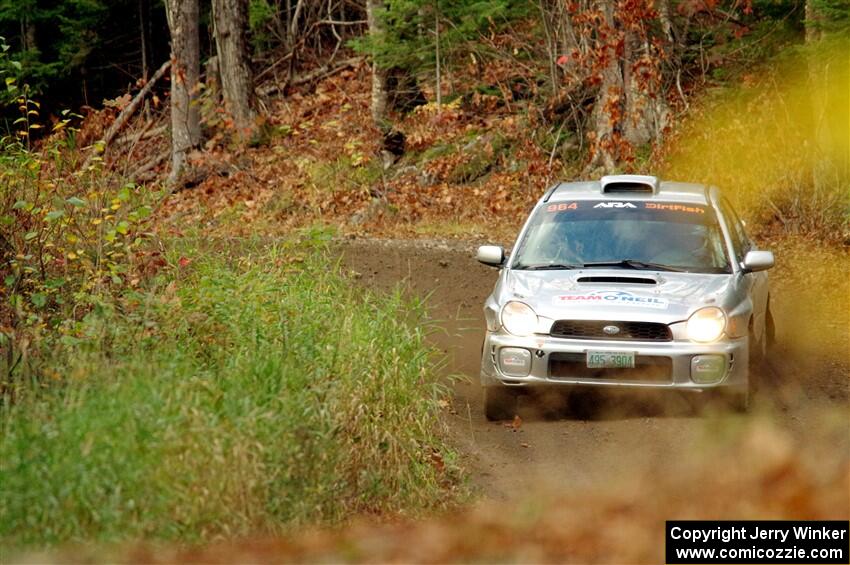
(758, 362)
(759, 349)
(769, 328)
(738, 401)
(582, 404)
(758, 366)
(499, 403)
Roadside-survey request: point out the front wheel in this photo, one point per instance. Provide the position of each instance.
(770, 329)
(758, 367)
(738, 401)
(760, 348)
(499, 403)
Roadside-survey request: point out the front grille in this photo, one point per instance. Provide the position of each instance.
(647, 368)
(629, 331)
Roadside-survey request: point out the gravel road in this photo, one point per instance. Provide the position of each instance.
(615, 435)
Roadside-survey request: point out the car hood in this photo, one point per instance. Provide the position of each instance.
(615, 294)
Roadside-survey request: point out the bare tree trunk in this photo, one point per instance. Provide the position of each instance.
(818, 71)
(606, 119)
(666, 21)
(647, 112)
(183, 18)
(143, 39)
(813, 21)
(630, 109)
(438, 88)
(28, 34)
(608, 110)
(231, 26)
(212, 80)
(547, 16)
(293, 24)
(379, 75)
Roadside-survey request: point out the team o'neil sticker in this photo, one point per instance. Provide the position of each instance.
(613, 298)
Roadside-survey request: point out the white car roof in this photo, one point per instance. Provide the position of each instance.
(631, 187)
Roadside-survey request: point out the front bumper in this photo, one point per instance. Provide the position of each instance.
(680, 354)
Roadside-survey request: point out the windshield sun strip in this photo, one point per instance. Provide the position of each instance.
(638, 210)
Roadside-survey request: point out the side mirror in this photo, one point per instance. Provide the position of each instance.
(491, 255)
(758, 261)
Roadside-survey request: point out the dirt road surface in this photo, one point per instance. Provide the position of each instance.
(617, 434)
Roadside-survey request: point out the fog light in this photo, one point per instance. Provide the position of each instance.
(515, 361)
(708, 369)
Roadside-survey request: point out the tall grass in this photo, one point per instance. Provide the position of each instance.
(235, 398)
(778, 144)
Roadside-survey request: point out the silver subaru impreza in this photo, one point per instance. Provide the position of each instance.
(627, 282)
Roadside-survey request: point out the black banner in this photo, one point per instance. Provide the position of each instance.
(757, 541)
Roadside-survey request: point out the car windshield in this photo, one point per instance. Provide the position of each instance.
(625, 234)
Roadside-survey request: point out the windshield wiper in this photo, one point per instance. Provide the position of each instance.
(546, 267)
(632, 264)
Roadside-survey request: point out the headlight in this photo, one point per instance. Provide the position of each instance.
(519, 319)
(706, 325)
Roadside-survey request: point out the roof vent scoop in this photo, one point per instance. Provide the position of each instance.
(629, 184)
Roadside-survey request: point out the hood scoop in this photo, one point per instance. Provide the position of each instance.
(616, 280)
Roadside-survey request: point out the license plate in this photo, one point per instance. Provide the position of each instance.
(608, 360)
